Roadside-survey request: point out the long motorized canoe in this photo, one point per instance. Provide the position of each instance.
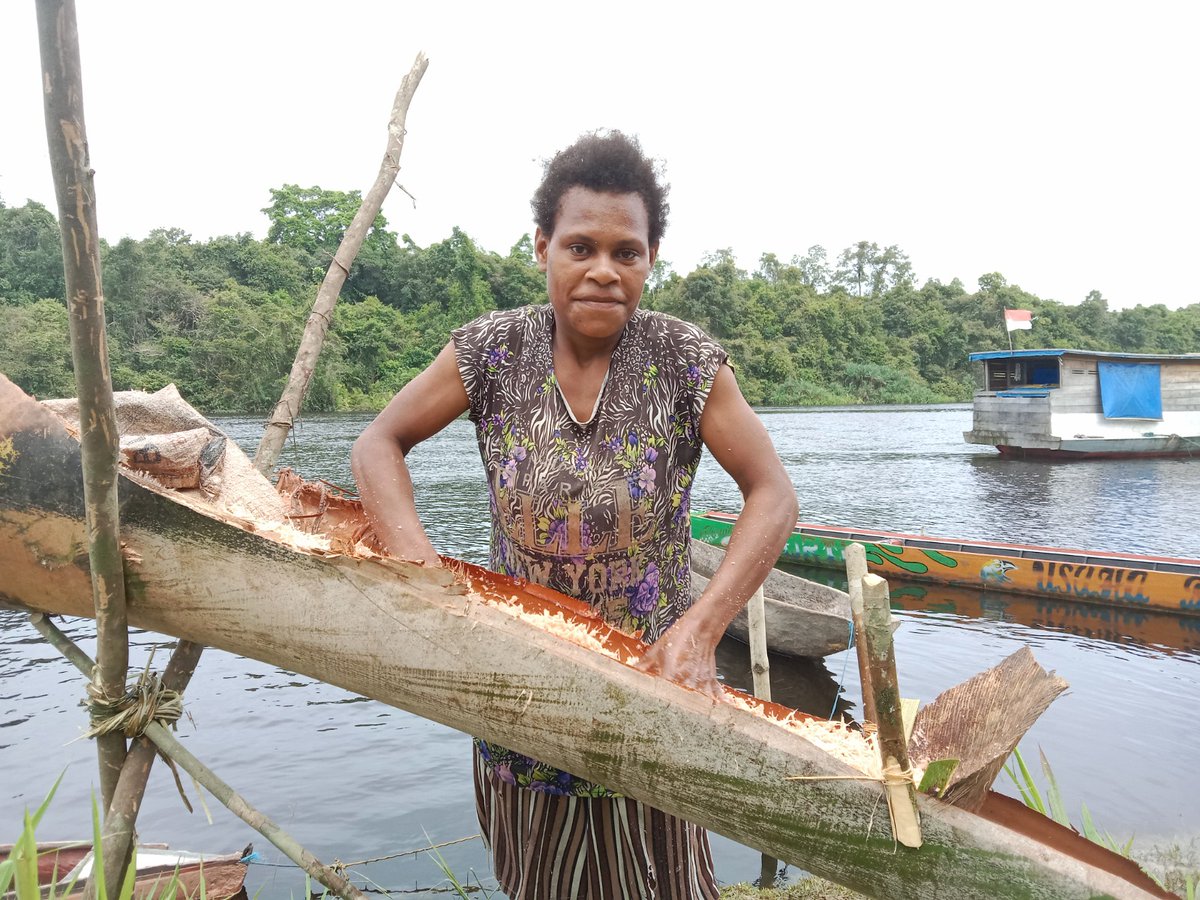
(1121, 580)
(515, 664)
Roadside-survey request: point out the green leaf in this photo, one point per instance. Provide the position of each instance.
(1026, 785)
(937, 776)
(97, 876)
(1054, 800)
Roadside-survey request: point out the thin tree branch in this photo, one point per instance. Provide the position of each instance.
(305, 363)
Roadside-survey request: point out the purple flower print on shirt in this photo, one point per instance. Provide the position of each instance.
(508, 471)
(645, 480)
(645, 595)
(556, 534)
(505, 773)
(497, 356)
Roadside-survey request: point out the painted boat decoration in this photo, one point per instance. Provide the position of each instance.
(66, 866)
(522, 666)
(1083, 404)
(1165, 584)
(1114, 624)
(803, 618)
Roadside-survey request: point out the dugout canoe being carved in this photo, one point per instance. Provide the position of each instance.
(471, 650)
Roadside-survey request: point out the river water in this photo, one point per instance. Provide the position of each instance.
(354, 779)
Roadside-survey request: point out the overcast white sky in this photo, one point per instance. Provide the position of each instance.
(1053, 142)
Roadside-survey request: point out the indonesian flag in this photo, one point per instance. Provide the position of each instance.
(1018, 320)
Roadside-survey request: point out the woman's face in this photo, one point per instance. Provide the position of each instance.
(596, 262)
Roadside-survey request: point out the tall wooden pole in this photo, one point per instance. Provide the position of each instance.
(321, 316)
(885, 687)
(760, 671)
(66, 136)
(855, 556)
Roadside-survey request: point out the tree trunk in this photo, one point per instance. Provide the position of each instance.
(319, 319)
(66, 136)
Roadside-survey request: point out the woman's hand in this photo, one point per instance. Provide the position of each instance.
(416, 550)
(686, 654)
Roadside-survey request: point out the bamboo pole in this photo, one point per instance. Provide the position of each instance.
(66, 136)
(760, 671)
(121, 816)
(305, 364)
(165, 742)
(855, 556)
(885, 687)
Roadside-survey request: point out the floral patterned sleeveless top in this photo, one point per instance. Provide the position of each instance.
(597, 510)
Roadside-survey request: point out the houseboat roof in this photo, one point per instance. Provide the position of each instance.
(1098, 354)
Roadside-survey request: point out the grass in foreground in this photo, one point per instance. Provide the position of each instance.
(808, 889)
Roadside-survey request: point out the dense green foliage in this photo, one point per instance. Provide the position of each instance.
(222, 318)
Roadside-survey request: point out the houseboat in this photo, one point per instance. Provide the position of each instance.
(1079, 404)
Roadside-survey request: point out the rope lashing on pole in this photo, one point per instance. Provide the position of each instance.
(146, 701)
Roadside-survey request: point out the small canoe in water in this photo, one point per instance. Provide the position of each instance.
(1157, 583)
(803, 618)
(67, 865)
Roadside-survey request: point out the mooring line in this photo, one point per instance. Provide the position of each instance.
(842, 678)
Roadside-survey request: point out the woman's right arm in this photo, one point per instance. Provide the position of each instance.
(424, 406)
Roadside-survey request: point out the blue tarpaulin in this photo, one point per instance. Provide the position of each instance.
(1130, 390)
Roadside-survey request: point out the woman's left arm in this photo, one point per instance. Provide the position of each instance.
(735, 436)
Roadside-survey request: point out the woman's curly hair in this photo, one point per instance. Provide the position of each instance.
(610, 162)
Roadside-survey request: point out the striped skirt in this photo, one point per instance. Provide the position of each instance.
(546, 847)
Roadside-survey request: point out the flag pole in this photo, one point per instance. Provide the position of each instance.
(1008, 331)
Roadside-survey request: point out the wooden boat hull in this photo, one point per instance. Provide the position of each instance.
(1114, 624)
(66, 865)
(440, 644)
(803, 618)
(1134, 582)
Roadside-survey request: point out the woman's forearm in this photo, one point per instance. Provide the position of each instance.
(386, 488)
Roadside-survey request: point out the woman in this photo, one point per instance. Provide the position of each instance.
(591, 416)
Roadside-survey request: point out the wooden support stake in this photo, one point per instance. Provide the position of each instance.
(66, 136)
(855, 556)
(760, 670)
(165, 742)
(121, 816)
(893, 749)
(760, 665)
(305, 363)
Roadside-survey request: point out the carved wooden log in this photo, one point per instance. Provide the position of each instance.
(441, 644)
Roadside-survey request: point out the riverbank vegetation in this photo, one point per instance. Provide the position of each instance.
(222, 318)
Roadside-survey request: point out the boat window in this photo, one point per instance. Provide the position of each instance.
(1031, 371)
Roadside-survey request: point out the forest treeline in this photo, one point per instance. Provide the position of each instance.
(222, 318)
